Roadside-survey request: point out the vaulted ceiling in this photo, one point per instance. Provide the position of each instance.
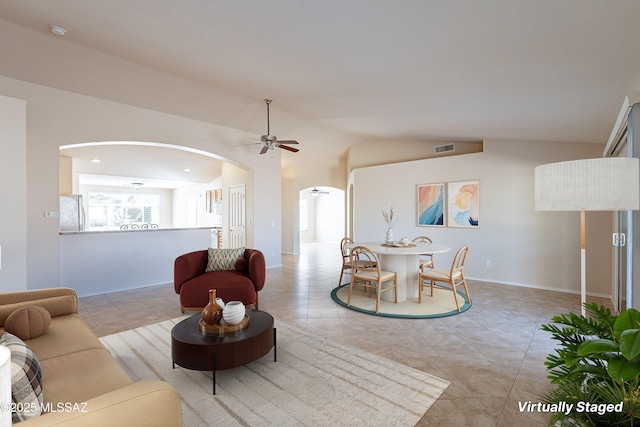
(409, 69)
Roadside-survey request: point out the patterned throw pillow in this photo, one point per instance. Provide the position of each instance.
(26, 378)
(223, 259)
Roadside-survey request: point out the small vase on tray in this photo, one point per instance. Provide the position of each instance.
(212, 313)
(389, 237)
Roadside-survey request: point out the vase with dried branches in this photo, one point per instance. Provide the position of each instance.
(389, 220)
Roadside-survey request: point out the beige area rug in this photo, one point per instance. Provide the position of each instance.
(440, 305)
(315, 382)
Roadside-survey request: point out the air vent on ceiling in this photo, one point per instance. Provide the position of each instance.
(439, 149)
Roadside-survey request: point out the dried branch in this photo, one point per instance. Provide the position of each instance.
(388, 217)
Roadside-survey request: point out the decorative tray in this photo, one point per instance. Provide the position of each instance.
(398, 245)
(223, 327)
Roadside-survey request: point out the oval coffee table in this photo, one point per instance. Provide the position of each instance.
(196, 350)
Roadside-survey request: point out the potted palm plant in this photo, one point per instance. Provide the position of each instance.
(596, 368)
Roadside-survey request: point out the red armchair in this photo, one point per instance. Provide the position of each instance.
(192, 283)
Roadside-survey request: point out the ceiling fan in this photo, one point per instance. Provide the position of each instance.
(270, 142)
(315, 192)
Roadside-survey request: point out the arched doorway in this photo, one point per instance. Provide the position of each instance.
(187, 184)
(322, 216)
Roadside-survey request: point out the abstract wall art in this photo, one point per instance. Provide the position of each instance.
(463, 203)
(431, 205)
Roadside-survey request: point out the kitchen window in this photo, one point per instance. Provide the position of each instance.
(115, 211)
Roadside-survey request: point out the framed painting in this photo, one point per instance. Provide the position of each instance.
(431, 205)
(463, 203)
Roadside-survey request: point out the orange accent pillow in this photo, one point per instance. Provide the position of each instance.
(28, 322)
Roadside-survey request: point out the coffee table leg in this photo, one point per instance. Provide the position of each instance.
(275, 347)
(213, 367)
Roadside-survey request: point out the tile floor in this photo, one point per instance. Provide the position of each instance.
(493, 354)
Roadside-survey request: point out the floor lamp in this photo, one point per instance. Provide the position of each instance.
(603, 184)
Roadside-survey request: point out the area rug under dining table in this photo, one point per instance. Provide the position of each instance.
(441, 304)
(315, 382)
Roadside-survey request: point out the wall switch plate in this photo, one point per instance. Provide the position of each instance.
(51, 214)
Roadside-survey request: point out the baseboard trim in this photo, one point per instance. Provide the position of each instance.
(544, 288)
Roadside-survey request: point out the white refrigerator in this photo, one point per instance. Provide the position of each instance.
(72, 213)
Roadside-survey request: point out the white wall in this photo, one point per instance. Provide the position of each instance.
(267, 214)
(538, 249)
(97, 263)
(13, 194)
(308, 235)
(290, 216)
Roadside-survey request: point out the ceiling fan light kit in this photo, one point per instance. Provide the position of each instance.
(58, 31)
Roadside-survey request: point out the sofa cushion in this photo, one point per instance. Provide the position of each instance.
(28, 322)
(75, 365)
(67, 334)
(26, 378)
(223, 259)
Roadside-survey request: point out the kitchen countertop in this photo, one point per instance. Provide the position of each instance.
(146, 230)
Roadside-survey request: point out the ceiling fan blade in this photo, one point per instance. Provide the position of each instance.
(244, 145)
(265, 148)
(288, 142)
(284, 147)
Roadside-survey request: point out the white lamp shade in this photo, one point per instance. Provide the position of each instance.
(5, 385)
(611, 183)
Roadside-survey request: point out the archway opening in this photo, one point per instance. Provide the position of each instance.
(322, 216)
(134, 184)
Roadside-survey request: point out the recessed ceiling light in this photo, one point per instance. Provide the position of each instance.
(58, 31)
(95, 160)
(187, 170)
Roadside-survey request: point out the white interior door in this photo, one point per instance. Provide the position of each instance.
(237, 217)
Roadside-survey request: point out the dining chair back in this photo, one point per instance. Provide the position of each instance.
(366, 272)
(426, 260)
(453, 276)
(346, 257)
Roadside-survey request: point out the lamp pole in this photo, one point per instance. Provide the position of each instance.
(583, 261)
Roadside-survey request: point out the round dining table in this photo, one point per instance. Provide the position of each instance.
(405, 262)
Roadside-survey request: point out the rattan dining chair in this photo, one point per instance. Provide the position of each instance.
(346, 258)
(454, 276)
(426, 260)
(366, 272)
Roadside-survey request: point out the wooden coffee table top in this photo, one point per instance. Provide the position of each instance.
(193, 349)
